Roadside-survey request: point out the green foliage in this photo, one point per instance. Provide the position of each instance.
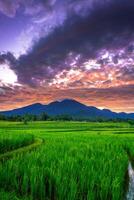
(44, 117)
(77, 161)
(11, 196)
(64, 117)
(131, 122)
(10, 142)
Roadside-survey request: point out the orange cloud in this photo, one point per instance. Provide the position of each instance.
(114, 98)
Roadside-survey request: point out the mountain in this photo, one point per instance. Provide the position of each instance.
(68, 107)
(31, 109)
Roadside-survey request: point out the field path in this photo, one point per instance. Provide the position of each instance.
(24, 149)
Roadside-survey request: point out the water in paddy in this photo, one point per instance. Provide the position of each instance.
(130, 193)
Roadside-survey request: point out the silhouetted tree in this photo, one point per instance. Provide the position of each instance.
(44, 116)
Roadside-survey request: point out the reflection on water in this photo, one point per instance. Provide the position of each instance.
(130, 193)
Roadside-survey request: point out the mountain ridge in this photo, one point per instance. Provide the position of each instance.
(68, 107)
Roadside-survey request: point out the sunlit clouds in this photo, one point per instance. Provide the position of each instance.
(115, 98)
(7, 76)
(110, 69)
(82, 49)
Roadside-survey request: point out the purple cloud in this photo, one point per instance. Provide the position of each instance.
(68, 30)
(9, 7)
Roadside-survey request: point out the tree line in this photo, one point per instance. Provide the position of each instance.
(31, 117)
(45, 117)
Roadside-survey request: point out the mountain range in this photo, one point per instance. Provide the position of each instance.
(68, 107)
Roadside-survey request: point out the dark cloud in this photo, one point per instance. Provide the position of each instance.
(8, 58)
(109, 26)
(87, 27)
(69, 33)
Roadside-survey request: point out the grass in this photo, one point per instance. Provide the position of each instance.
(11, 141)
(10, 196)
(76, 161)
(21, 150)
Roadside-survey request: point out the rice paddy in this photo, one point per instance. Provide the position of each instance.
(76, 161)
(10, 142)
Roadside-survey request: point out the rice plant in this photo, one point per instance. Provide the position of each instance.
(77, 161)
(10, 141)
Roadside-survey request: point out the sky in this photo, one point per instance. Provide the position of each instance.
(56, 49)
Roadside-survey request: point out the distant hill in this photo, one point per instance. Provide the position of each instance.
(68, 107)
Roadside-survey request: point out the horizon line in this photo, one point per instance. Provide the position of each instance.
(60, 100)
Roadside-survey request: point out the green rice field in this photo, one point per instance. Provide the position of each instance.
(74, 161)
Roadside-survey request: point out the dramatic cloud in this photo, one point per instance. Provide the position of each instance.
(78, 46)
(115, 98)
(106, 25)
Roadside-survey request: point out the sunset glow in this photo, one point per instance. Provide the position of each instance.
(67, 49)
